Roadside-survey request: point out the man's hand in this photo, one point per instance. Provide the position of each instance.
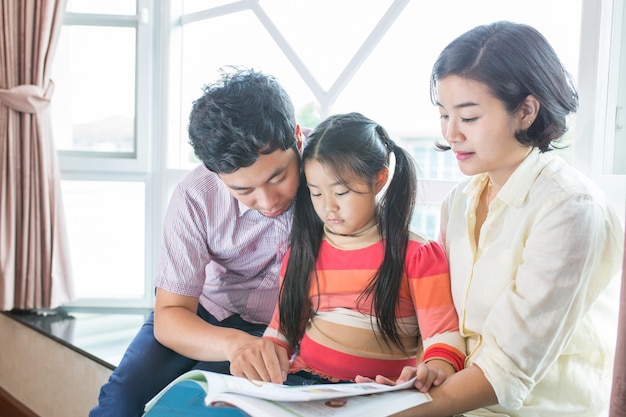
(260, 359)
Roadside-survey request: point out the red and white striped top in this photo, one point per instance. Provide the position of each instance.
(340, 339)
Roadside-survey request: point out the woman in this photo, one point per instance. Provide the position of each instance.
(532, 243)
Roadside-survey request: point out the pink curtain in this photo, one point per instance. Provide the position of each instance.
(34, 257)
(618, 393)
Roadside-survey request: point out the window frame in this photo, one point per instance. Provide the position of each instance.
(131, 162)
(158, 61)
(601, 41)
(137, 166)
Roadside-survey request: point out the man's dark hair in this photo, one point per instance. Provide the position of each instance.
(242, 115)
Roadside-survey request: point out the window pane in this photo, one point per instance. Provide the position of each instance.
(94, 103)
(209, 46)
(425, 220)
(105, 222)
(315, 38)
(121, 7)
(390, 86)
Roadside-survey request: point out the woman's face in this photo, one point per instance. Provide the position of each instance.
(479, 129)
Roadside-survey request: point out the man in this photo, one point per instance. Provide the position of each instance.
(225, 233)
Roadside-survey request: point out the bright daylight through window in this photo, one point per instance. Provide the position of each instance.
(126, 76)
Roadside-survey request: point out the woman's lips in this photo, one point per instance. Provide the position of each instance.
(462, 156)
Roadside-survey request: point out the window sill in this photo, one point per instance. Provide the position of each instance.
(99, 334)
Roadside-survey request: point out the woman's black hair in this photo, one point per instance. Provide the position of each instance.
(350, 145)
(514, 61)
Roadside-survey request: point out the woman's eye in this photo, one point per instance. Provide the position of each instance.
(343, 193)
(469, 119)
(443, 116)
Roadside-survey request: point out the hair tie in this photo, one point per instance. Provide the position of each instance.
(384, 138)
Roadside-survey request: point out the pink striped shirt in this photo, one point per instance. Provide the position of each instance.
(220, 250)
(342, 339)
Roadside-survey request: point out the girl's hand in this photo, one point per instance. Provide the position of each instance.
(431, 374)
(407, 373)
(428, 376)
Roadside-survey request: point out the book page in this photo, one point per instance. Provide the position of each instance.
(277, 392)
(211, 382)
(372, 405)
(217, 384)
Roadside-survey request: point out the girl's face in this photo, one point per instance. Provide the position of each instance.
(346, 211)
(478, 128)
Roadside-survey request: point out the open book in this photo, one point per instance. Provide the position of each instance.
(191, 394)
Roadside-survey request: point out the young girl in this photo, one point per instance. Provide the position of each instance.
(360, 294)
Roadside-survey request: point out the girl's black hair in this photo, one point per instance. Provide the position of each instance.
(514, 61)
(350, 145)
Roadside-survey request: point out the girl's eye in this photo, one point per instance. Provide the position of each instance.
(469, 120)
(343, 193)
(443, 116)
(315, 194)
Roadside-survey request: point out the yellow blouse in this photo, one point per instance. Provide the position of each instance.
(536, 296)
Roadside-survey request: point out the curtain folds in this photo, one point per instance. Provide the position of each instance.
(34, 253)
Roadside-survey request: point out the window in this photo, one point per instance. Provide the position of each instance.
(100, 119)
(598, 148)
(105, 252)
(369, 56)
(121, 114)
(96, 100)
(617, 164)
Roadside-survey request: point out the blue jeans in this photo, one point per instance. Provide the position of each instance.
(307, 378)
(147, 367)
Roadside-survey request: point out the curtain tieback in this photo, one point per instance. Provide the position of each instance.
(27, 98)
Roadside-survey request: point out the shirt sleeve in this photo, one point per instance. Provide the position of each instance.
(429, 282)
(184, 251)
(567, 260)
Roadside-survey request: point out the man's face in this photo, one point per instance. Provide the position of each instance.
(269, 185)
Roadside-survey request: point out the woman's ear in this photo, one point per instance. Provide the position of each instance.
(381, 179)
(528, 111)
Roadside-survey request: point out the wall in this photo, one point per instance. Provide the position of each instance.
(46, 376)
